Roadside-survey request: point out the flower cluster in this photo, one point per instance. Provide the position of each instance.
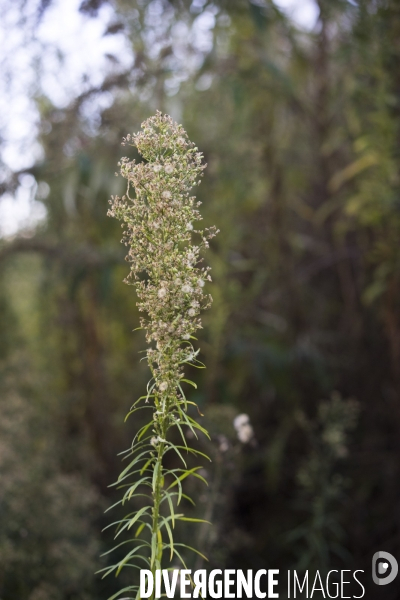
(243, 428)
(159, 223)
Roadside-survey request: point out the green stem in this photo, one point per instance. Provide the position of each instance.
(156, 508)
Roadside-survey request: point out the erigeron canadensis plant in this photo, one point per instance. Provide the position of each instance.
(166, 269)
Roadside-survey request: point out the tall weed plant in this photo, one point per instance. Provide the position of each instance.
(159, 218)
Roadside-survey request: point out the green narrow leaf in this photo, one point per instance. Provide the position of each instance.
(187, 473)
(127, 589)
(147, 463)
(122, 544)
(153, 548)
(183, 396)
(137, 516)
(198, 426)
(182, 435)
(133, 410)
(160, 545)
(171, 539)
(143, 430)
(193, 550)
(178, 483)
(187, 422)
(125, 472)
(173, 447)
(190, 382)
(142, 398)
(171, 508)
(193, 520)
(114, 523)
(135, 486)
(126, 558)
(155, 475)
(140, 529)
(194, 404)
(189, 499)
(194, 451)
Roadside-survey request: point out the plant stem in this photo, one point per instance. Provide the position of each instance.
(156, 511)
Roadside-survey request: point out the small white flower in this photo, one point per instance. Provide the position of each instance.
(186, 336)
(191, 312)
(163, 386)
(162, 292)
(154, 441)
(191, 256)
(243, 427)
(187, 289)
(200, 282)
(169, 169)
(240, 421)
(157, 168)
(180, 140)
(189, 227)
(166, 194)
(178, 281)
(245, 433)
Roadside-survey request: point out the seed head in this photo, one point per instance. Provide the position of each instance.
(158, 223)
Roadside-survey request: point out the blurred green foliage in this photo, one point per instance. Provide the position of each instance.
(301, 134)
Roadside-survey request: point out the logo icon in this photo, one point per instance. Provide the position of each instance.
(384, 568)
